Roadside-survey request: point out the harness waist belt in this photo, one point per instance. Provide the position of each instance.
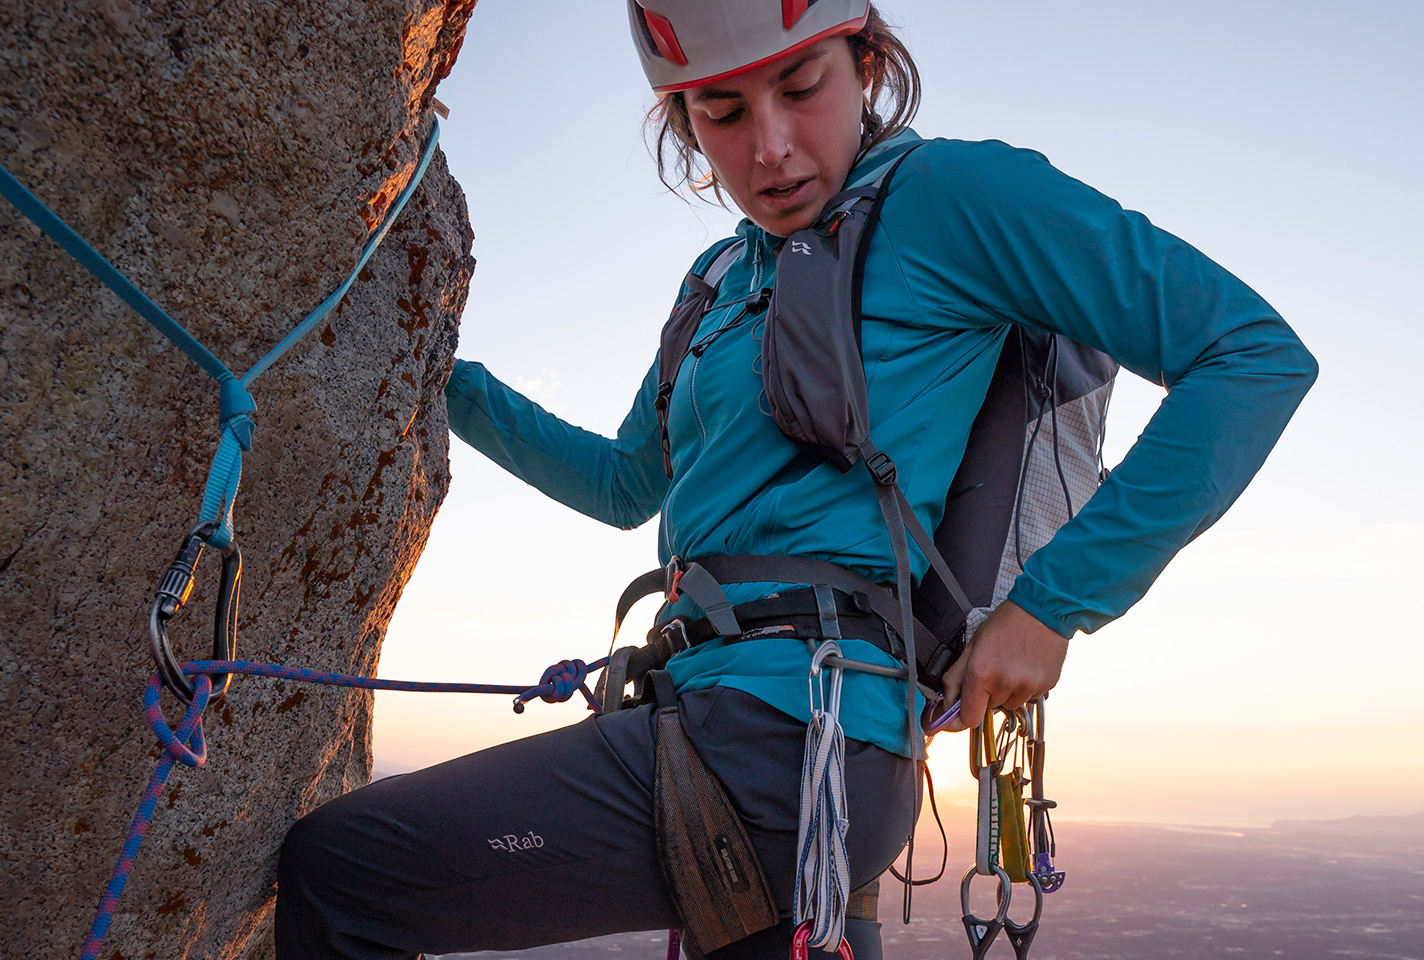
(789, 615)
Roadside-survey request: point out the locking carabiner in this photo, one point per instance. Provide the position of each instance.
(174, 589)
(800, 944)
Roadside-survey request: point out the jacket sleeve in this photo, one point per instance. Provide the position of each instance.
(1048, 251)
(618, 481)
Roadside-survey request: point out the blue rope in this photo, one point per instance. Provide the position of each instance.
(235, 404)
(90, 259)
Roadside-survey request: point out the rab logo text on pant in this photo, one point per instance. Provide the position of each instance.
(509, 843)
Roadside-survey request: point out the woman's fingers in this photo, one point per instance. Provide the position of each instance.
(1013, 659)
(974, 698)
(953, 679)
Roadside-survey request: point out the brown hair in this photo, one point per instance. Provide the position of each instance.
(885, 66)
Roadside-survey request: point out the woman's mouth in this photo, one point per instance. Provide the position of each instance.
(786, 195)
(785, 190)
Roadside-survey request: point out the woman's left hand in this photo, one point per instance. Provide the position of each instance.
(1012, 659)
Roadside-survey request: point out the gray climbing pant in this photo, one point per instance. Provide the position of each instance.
(550, 839)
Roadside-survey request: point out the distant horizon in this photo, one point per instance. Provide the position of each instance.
(383, 769)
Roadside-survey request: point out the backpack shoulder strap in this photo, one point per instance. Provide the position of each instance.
(682, 326)
(812, 367)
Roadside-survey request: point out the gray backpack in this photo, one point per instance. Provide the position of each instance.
(1034, 455)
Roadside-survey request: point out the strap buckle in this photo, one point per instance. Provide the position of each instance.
(671, 638)
(672, 573)
(882, 468)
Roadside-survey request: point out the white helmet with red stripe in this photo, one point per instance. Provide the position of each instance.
(689, 43)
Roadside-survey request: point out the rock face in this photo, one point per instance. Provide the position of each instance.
(229, 157)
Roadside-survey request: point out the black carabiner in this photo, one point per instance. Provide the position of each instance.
(981, 932)
(172, 594)
(1020, 935)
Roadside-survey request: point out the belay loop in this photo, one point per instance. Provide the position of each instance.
(174, 589)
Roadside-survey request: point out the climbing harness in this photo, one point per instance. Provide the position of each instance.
(1008, 846)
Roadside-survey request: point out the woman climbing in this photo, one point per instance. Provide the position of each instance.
(781, 106)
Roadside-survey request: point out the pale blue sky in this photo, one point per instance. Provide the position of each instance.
(1283, 139)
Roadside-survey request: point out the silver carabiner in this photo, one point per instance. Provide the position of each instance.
(815, 682)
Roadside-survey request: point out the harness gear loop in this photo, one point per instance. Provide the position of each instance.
(172, 594)
(609, 689)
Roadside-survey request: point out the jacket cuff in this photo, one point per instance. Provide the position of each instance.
(1047, 607)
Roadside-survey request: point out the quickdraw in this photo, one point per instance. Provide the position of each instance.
(1010, 846)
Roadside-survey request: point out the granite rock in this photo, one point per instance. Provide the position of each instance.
(230, 158)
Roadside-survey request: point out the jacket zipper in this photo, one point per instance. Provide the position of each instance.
(692, 381)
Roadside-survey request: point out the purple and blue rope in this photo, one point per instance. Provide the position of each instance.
(186, 745)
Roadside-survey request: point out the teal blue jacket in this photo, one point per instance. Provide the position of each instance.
(973, 237)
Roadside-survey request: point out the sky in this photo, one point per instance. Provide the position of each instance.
(1273, 670)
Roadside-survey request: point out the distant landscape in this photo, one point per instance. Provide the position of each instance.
(1306, 890)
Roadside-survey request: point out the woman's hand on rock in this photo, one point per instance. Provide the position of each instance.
(1012, 659)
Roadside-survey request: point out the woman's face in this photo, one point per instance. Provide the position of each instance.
(781, 138)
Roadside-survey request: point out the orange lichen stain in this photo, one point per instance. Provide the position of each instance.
(192, 856)
(418, 257)
(211, 829)
(173, 795)
(174, 903)
(295, 700)
(82, 826)
(384, 459)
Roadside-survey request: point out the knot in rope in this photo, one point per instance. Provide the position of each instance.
(186, 745)
(564, 678)
(234, 406)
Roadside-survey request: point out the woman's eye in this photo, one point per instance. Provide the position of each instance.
(805, 92)
(727, 118)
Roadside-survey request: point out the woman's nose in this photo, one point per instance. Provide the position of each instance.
(773, 140)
